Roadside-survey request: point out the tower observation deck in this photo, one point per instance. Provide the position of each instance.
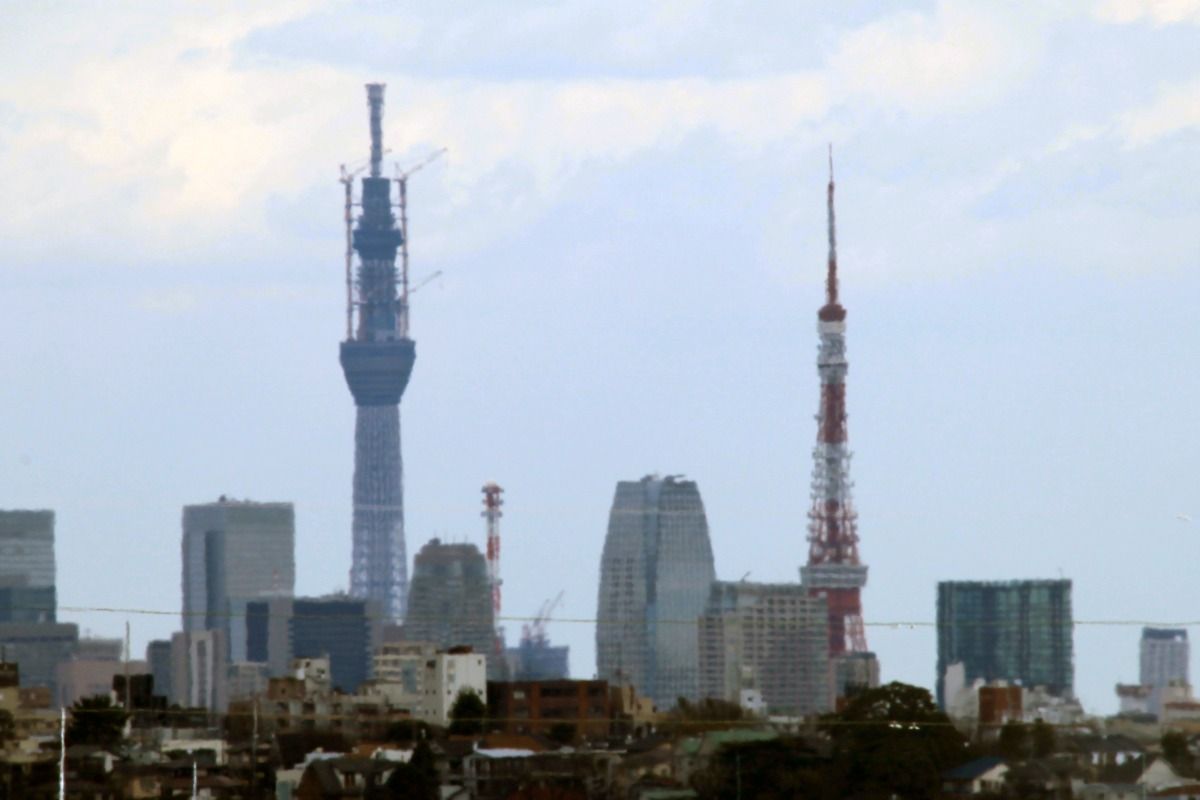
(377, 358)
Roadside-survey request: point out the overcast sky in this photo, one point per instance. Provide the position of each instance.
(630, 227)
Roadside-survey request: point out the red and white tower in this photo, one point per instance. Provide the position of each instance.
(834, 570)
(492, 513)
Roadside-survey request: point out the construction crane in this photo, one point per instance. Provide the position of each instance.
(402, 185)
(492, 513)
(347, 180)
(534, 632)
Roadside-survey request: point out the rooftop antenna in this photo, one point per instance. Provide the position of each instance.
(831, 282)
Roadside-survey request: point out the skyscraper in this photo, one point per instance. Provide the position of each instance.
(834, 570)
(1014, 631)
(377, 358)
(655, 574)
(235, 551)
(27, 590)
(450, 601)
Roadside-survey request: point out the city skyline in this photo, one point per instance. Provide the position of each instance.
(629, 232)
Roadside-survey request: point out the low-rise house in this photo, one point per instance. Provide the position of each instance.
(982, 776)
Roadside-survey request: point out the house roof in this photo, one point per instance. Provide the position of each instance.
(973, 769)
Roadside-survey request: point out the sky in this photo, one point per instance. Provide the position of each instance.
(629, 226)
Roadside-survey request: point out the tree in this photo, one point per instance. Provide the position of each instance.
(1043, 740)
(1013, 743)
(467, 714)
(774, 769)
(95, 720)
(892, 741)
(416, 780)
(8, 727)
(1175, 750)
(708, 714)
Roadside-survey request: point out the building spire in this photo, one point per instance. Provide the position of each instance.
(832, 311)
(831, 282)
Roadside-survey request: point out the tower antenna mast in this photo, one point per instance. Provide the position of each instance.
(492, 513)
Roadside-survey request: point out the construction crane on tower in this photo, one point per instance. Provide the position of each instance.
(401, 179)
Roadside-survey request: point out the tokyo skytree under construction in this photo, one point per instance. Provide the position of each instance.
(834, 570)
(377, 358)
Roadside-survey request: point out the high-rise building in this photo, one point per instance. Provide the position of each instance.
(834, 570)
(770, 639)
(342, 629)
(199, 669)
(38, 647)
(450, 601)
(377, 358)
(235, 551)
(27, 587)
(1163, 663)
(1019, 631)
(655, 575)
(158, 659)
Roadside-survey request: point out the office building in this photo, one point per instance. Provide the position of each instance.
(38, 648)
(158, 659)
(450, 601)
(767, 640)
(235, 551)
(1017, 631)
(27, 583)
(655, 575)
(1163, 663)
(199, 670)
(343, 629)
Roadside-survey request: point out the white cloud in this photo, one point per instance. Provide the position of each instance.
(958, 55)
(1176, 108)
(1157, 12)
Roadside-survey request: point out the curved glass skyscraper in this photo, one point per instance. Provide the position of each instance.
(655, 576)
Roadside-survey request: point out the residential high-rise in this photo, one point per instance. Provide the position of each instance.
(1012, 630)
(771, 639)
(234, 551)
(27, 586)
(377, 358)
(450, 601)
(655, 574)
(834, 570)
(1163, 663)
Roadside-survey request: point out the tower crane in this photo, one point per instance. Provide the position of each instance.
(401, 179)
(534, 631)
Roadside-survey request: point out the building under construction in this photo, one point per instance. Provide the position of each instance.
(834, 571)
(1018, 631)
(655, 574)
(377, 358)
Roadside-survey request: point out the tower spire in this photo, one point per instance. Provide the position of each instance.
(831, 281)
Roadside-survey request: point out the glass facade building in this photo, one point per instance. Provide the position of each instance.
(233, 552)
(655, 575)
(1018, 631)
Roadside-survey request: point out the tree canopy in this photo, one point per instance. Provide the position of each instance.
(467, 714)
(892, 741)
(95, 720)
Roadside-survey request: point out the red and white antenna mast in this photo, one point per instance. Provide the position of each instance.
(492, 513)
